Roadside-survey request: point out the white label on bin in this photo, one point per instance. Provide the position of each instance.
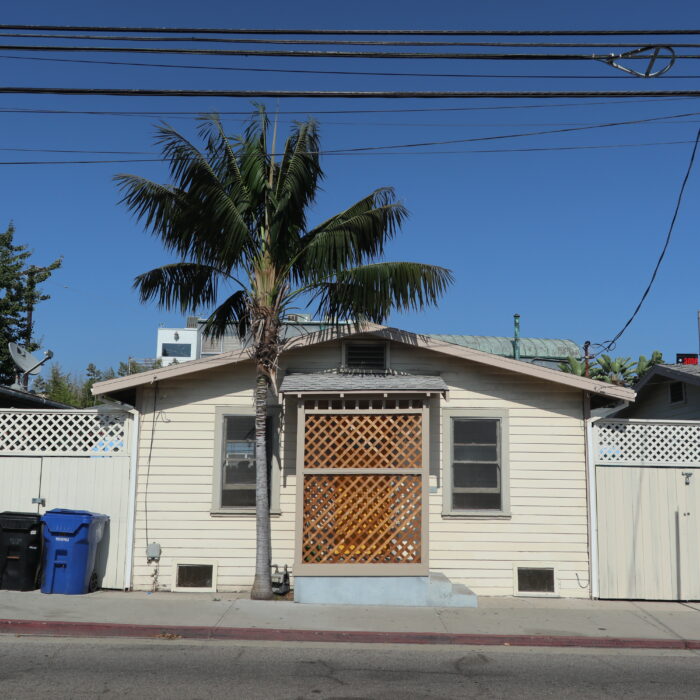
(32, 532)
(63, 539)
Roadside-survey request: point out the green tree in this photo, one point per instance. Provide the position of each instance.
(60, 386)
(644, 364)
(236, 217)
(574, 366)
(619, 370)
(19, 295)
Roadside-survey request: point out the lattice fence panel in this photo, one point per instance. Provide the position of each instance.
(362, 519)
(363, 441)
(62, 433)
(647, 443)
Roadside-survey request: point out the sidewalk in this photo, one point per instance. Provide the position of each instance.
(502, 620)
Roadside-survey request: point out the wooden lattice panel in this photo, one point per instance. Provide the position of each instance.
(62, 433)
(362, 519)
(647, 443)
(363, 441)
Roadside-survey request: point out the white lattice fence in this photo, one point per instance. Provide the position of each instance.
(647, 443)
(63, 433)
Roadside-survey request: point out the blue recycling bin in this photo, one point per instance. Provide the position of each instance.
(70, 547)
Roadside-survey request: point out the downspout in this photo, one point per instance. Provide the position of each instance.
(589, 446)
(516, 336)
(131, 516)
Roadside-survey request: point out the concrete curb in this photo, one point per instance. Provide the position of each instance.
(100, 629)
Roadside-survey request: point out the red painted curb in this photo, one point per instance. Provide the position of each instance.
(99, 629)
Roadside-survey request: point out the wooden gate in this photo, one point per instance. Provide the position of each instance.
(648, 504)
(72, 459)
(363, 494)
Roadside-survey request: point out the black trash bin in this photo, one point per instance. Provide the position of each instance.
(20, 551)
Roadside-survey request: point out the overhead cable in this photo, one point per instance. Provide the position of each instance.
(352, 32)
(340, 42)
(413, 55)
(337, 94)
(179, 66)
(394, 110)
(610, 344)
(532, 149)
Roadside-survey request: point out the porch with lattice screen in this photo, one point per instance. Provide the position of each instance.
(363, 485)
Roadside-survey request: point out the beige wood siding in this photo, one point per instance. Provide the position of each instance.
(548, 521)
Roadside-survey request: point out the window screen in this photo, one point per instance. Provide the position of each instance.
(177, 350)
(476, 464)
(238, 476)
(365, 356)
(195, 575)
(535, 580)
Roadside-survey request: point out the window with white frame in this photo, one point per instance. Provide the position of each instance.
(475, 468)
(234, 483)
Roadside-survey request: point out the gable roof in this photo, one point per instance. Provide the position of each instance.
(690, 374)
(121, 384)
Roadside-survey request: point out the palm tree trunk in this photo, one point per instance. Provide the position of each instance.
(262, 584)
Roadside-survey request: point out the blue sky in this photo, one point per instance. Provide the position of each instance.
(566, 238)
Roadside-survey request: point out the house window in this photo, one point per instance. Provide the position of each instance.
(234, 482)
(367, 356)
(475, 464)
(177, 350)
(676, 392)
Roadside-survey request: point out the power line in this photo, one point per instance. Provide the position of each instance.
(89, 61)
(171, 113)
(338, 54)
(495, 137)
(533, 149)
(518, 135)
(378, 94)
(351, 32)
(340, 42)
(610, 344)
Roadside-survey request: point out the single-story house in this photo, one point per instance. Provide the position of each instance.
(392, 454)
(666, 392)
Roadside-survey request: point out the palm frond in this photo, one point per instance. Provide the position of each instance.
(222, 157)
(181, 286)
(371, 292)
(232, 314)
(197, 218)
(354, 236)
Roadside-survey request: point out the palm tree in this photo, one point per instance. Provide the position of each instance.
(644, 364)
(574, 366)
(236, 216)
(614, 371)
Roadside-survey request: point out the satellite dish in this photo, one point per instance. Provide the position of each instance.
(27, 363)
(24, 359)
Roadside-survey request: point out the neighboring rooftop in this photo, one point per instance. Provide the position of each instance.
(548, 352)
(16, 398)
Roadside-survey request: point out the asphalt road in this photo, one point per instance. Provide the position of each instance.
(51, 668)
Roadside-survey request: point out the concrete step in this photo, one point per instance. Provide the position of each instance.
(434, 590)
(442, 593)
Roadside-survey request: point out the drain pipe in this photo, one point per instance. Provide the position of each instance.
(590, 461)
(516, 336)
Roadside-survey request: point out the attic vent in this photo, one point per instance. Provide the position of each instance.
(535, 580)
(365, 356)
